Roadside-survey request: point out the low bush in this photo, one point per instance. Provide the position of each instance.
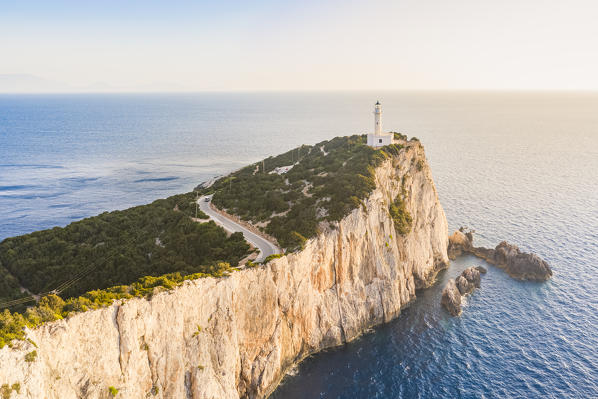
(270, 257)
(52, 307)
(31, 356)
(400, 215)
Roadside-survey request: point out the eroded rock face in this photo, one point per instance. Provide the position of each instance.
(519, 265)
(451, 298)
(472, 275)
(464, 284)
(236, 336)
(459, 243)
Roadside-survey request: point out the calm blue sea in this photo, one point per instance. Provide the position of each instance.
(521, 167)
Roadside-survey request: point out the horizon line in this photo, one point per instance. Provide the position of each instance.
(462, 90)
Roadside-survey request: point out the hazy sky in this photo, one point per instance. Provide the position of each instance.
(149, 45)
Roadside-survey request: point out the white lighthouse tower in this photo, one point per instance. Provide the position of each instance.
(378, 119)
(379, 139)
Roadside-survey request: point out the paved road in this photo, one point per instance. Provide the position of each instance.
(266, 247)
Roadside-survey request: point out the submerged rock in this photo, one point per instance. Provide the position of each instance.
(517, 264)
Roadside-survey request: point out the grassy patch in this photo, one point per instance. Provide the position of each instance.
(113, 391)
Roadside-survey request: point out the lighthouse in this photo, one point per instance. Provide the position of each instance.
(377, 119)
(379, 139)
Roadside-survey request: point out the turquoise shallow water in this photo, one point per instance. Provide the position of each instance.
(515, 166)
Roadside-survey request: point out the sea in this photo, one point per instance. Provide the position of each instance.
(514, 166)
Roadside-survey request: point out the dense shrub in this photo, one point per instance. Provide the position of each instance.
(400, 216)
(399, 136)
(123, 254)
(116, 248)
(337, 176)
(9, 285)
(52, 307)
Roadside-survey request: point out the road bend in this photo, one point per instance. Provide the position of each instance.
(265, 247)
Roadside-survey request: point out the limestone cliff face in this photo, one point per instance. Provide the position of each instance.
(236, 336)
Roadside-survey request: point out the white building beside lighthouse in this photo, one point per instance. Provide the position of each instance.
(379, 139)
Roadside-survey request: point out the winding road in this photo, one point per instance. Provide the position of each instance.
(265, 247)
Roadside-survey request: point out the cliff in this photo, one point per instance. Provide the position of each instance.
(236, 336)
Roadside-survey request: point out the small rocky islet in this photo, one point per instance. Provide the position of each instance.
(465, 284)
(517, 264)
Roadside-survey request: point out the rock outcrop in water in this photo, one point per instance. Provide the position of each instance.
(466, 283)
(517, 264)
(236, 336)
(451, 298)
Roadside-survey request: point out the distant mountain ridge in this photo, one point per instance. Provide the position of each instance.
(26, 83)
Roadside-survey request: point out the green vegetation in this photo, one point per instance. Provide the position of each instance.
(31, 356)
(328, 181)
(116, 248)
(270, 257)
(52, 307)
(9, 285)
(5, 391)
(196, 333)
(400, 216)
(113, 391)
(145, 249)
(399, 136)
(116, 255)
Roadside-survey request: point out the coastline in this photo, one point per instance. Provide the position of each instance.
(342, 283)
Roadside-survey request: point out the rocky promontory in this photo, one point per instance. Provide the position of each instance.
(519, 265)
(236, 336)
